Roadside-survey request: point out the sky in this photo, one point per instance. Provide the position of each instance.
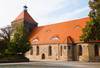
(44, 12)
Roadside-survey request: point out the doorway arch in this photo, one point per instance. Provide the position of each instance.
(80, 50)
(43, 56)
(96, 50)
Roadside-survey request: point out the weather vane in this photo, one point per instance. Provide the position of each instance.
(25, 5)
(25, 8)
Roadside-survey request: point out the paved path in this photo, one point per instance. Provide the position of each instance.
(50, 65)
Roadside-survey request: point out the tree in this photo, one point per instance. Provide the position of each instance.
(20, 43)
(91, 32)
(13, 42)
(2, 47)
(5, 34)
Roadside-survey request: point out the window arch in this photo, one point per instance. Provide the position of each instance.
(69, 47)
(55, 38)
(61, 50)
(31, 51)
(37, 50)
(50, 50)
(35, 40)
(96, 49)
(77, 27)
(80, 50)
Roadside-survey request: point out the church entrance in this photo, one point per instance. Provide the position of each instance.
(43, 56)
(72, 52)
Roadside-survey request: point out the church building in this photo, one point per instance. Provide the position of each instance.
(57, 42)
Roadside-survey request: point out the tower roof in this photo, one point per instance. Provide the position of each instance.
(25, 16)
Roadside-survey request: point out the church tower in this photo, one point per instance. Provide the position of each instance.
(24, 20)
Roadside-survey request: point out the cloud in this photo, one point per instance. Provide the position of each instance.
(43, 11)
(65, 12)
(78, 13)
(43, 7)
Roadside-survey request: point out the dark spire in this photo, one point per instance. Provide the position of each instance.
(25, 8)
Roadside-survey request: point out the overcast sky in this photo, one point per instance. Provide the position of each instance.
(43, 11)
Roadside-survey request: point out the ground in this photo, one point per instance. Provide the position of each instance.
(50, 64)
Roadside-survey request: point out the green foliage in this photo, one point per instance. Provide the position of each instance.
(14, 42)
(4, 39)
(3, 46)
(95, 10)
(91, 31)
(20, 43)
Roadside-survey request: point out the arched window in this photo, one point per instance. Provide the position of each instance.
(37, 50)
(96, 49)
(55, 38)
(61, 50)
(35, 40)
(80, 50)
(50, 50)
(77, 27)
(31, 51)
(69, 47)
(65, 47)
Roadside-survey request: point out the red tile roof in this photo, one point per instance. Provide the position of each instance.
(65, 32)
(26, 16)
